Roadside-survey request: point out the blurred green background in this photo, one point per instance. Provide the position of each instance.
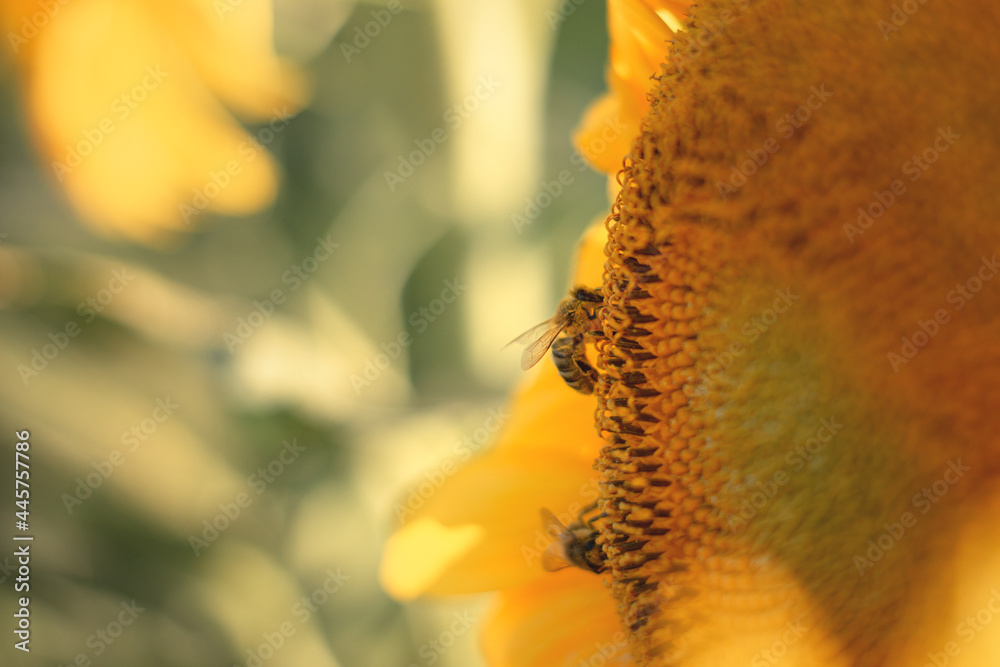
(187, 424)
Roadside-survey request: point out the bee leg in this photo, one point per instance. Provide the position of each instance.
(591, 518)
(588, 373)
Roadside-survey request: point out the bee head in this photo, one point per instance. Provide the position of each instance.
(581, 553)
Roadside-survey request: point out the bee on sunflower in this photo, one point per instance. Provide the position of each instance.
(770, 486)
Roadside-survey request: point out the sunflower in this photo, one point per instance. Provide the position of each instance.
(798, 450)
(126, 99)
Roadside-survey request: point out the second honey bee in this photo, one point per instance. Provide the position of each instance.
(575, 545)
(566, 333)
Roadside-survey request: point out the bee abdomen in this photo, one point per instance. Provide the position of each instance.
(570, 359)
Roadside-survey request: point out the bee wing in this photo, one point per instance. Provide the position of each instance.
(553, 526)
(534, 352)
(533, 333)
(554, 557)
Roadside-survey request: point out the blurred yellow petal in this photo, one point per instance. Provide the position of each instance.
(406, 576)
(606, 132)
(231, 45)
(122, 98)
(530, 430)
(500, 495)
(589, 267)
(639, 41)
(566, 619)
(640, 31)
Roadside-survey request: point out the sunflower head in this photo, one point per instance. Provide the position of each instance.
(790, 226)
(796, 373)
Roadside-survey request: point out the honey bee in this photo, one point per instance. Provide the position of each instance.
(575, 545)
(566, 333)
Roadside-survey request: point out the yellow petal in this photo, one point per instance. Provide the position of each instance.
(531, 429)
(128, 119)
(606, 131)
(640, 32)
(404, 574)
(500, 495)
(639, 42)
(590, 256)
(233, 52)
(563, 620)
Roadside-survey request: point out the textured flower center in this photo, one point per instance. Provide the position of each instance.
(659, 472)
(761, 439)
